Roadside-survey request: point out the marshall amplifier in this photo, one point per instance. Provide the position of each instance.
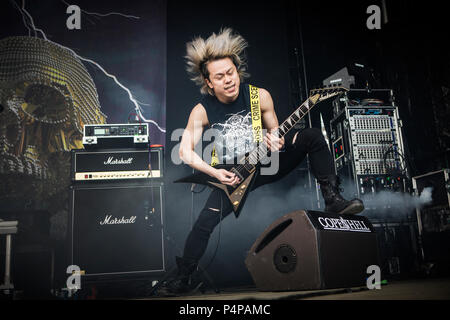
(307, 250)
(117, 229)
(115, 135)
(117, 164)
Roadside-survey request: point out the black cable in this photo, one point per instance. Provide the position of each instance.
(192, 200)
(220, 225)
(218, 239)
(410, 164)
(402, 160)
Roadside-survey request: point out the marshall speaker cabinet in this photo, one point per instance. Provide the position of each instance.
(117, 229)
(306, 250)
(117, 213)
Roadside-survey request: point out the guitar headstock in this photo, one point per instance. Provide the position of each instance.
(326, 92)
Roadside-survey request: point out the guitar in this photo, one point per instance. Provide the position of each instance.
(246, 167)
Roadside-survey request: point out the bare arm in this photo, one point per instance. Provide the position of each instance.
(270, 121)
(198, 119)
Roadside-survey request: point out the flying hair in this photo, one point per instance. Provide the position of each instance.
(225, 44)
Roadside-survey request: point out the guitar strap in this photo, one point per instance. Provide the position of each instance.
(214, 158)
(255, 107)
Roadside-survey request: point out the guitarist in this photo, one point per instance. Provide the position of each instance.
(217, 65)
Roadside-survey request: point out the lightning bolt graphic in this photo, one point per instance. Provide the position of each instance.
(31, 26)
(105, 14)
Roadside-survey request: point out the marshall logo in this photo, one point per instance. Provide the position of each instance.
(112, 161)
(342, 224)
(110, 220)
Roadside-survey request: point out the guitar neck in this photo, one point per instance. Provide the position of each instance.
(261, 151)
(295, 117)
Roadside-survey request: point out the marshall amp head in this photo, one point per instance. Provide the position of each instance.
(115, 135)
(117, 164)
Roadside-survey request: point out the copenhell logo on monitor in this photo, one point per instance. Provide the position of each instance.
(110, 220)
(343, 224)
(112, 161)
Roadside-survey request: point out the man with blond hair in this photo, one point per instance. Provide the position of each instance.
(218, 66)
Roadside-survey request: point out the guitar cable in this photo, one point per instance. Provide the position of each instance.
(220, 229)
(218, 239)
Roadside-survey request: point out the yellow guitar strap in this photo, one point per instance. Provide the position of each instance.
(214, 158)
(256, 114)
(255, 107)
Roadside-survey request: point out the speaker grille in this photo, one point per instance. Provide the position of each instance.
(117, 228)
(285, 258)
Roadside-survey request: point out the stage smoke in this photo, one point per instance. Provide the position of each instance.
(425, 198)
(267, 204)
(395, 204)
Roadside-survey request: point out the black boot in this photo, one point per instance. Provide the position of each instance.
(334, 202)
(183, 282)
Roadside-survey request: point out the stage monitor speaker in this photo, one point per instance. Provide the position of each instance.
(307, 250)
(117, 229)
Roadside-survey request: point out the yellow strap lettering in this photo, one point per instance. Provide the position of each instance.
(256, 114)
(214, 158)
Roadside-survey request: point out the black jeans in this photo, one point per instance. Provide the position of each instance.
(308, 141)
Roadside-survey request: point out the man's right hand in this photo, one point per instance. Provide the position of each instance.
(226, 177)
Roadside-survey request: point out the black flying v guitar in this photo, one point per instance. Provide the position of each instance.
(246, 167)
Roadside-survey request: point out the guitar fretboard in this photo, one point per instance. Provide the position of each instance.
(261, 151)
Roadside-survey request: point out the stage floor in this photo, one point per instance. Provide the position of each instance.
(417, 289)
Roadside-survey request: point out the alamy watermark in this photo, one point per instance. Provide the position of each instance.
(73, 282)
(374, 280)
(74, 20)
(374, 20)
(229, 149)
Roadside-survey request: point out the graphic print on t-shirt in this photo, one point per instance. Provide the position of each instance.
(236, 135)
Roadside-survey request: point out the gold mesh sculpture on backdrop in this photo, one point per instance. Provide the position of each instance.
(47, 95)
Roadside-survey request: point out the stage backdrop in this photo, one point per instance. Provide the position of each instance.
(63, 65)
